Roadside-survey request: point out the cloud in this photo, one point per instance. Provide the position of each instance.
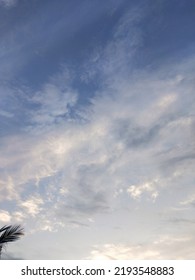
(122, 252)
(5, 114)
(189, 202)
(9, 217)
(76, 167)
(5, 216)
(53, 103)
(149, 187)
(165, 247)
(118, 54)
(7, 190)
(32, 206)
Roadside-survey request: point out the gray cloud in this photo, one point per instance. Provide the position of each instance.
(135, 136)
(182, 158)
(182, 221)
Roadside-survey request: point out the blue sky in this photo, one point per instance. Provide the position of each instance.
(97, 128)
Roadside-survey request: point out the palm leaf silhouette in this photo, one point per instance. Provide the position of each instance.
(10, 234)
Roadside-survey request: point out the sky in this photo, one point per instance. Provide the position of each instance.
(97, 128)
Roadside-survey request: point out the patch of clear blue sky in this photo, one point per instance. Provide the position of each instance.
(168, 31)
(50, 34)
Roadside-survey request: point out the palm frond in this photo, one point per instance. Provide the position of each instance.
(4, 228)
(10, 234)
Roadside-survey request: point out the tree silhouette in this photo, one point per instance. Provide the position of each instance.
(10, 234)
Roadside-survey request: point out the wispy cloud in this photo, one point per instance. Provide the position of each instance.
(190, 201)
(128, 149)
(91, 160)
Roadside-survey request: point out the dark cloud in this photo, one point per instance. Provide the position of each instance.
(83, 206)
(133, 135)
(181, 221)
(182, 158)
(173, 160)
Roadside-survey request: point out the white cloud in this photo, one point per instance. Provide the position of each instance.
(5, 216)
(166, 101)
(189, 202)
(6, 114)
(7, 188)
(32, 206)
(18, 216)
(164, 247)
(149, 187)
(122, 252)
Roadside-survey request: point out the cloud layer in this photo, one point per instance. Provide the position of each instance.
(120, 163)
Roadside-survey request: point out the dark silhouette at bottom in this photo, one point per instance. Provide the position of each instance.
(10, 234)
